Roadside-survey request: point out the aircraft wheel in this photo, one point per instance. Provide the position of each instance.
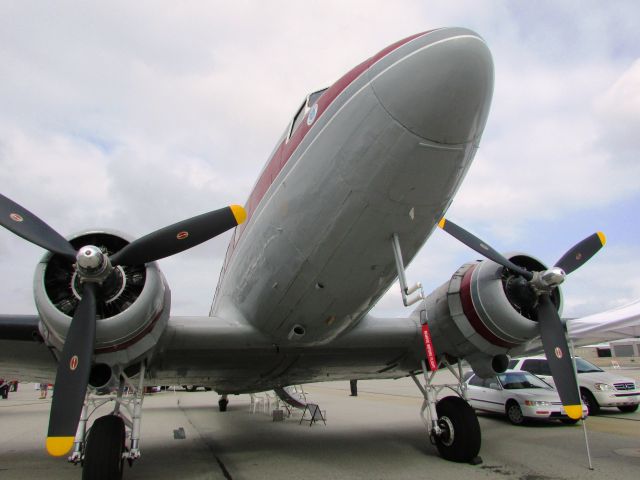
(593, 407)
(460, 440)
(103, 453)
(222, 404)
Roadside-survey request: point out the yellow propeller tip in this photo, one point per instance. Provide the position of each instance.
(442, 222)
(573, 411)
(59, 446)
(239, 213)
(603, 239)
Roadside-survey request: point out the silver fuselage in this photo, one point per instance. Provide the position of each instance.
(389, 146)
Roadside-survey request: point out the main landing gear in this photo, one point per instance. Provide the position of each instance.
(102, 449)
(451, 422)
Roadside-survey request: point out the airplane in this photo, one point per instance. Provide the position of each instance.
(361, 177)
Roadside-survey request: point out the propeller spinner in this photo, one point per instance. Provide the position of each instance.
(94, 267)
(537, 288)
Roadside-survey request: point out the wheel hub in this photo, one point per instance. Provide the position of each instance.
(447, 435)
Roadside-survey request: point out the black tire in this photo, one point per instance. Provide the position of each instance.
(103, 452)
(222, 404)
(461, 438)
(514, 413)
(4, 391)
(628, 408)
(593, 407)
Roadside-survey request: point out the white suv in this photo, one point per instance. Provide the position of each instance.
(597, 387)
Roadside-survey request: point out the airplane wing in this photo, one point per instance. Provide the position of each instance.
(23, 355)
(233, 357)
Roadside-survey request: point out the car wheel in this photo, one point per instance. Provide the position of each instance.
(628, 408)
(590, 402)
(514, 413)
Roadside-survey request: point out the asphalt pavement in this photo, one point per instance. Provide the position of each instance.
(376, 435)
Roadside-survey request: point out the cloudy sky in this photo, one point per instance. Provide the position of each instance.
(134, 115)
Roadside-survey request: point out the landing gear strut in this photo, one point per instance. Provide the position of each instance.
(223, 402)
(102, 449)
(451, 422)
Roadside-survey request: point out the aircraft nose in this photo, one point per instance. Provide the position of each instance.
(441, 88)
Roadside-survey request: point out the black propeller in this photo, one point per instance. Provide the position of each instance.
(179, 237)
(541, 284)
(72, 376)
(26, 225)
(94, 267)
(481, 247)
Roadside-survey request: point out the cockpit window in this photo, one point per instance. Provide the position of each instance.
(313, 98)
(304, 108)
(298, 117)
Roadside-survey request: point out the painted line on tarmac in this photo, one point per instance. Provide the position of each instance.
(208, 444)
(23, 404)
(622, 418)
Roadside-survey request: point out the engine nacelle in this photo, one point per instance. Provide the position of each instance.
(480, 316)
(132, 305)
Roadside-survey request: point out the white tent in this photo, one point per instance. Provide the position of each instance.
(622, 322)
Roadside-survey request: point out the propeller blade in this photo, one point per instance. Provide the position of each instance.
(72, 376)
(580, 253)
(179, 236)
(481, 247)
(25, 224)
(555, 346)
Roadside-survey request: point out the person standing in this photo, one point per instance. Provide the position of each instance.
(43, 390)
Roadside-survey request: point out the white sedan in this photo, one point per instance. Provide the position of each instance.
(518, 395)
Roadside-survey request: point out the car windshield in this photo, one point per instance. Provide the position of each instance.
(585, 367)
(517, 380)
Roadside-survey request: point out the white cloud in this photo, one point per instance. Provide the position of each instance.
(132, 116)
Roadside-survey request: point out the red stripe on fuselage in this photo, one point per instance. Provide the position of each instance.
(473, 317)
(285, 150)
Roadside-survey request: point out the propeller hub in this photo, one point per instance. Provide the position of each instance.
(92, 264)
(547, 280)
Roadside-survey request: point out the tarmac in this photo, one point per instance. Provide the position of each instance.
(376, 435)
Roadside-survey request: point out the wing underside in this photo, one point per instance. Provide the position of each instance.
(233, 357)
